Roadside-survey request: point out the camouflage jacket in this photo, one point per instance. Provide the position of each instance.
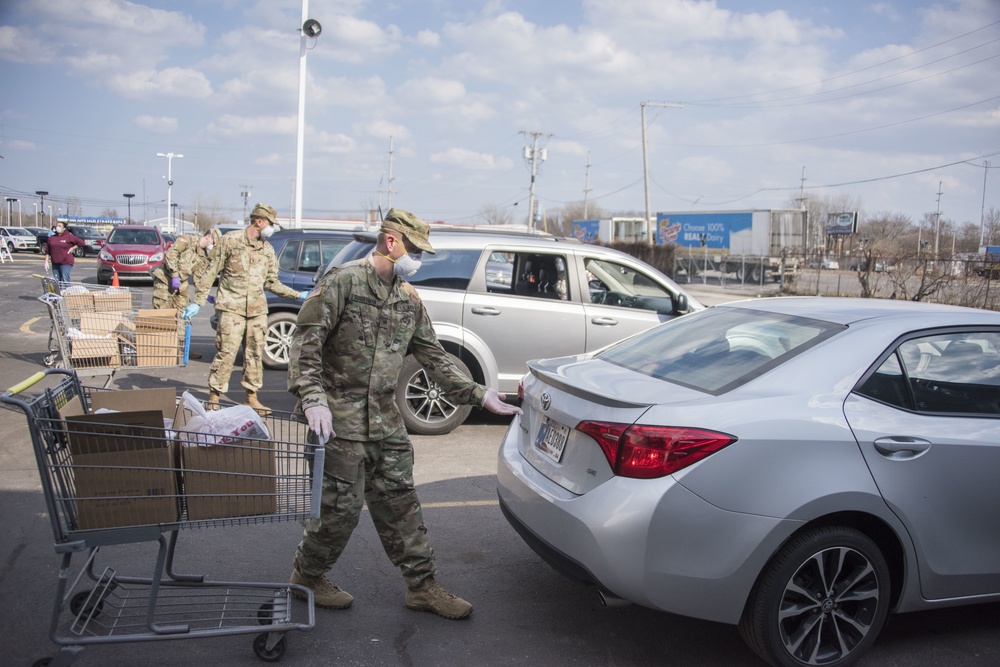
(185, 258)
(353, 333)
(245, 269)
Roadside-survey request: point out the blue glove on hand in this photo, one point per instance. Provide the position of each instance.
(175, 283)
(191, 311)
(304, 295)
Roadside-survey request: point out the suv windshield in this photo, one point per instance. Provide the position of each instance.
(134, 237)
(717, 350)
(18, 231)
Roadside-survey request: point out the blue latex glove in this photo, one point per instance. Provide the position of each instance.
(304, 295)
(191, 311)
(175, 283)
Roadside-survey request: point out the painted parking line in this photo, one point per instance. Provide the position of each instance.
(26, 327)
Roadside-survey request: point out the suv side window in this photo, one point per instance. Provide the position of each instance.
(956, 373)
(446, 269)
(288, 259)
(614, 284)
(541, 275)
(311, 256)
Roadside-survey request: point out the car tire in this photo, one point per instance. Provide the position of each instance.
(822, 600)
(423, 405)
(278, 339)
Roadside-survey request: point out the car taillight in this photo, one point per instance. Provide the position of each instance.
(646, 452)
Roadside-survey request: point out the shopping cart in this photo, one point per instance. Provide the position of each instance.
(107, 485)
(99, 330)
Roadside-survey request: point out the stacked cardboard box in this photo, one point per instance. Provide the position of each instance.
(77, 304)
(230, 480)
(157, 337)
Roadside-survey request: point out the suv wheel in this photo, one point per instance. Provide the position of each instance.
(425, 409)
(278, 339)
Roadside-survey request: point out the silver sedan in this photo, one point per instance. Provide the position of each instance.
(799, 467)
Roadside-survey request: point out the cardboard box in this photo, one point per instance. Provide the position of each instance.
(76, 304)
(94, 353)
(162, 399)
(123, 469)
(162, 349)
(101, 323)
(159, 320)
(223, 481)
(117, 302)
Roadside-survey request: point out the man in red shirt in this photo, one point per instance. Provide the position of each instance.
(59, 252)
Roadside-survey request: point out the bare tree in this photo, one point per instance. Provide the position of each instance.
(492, 214)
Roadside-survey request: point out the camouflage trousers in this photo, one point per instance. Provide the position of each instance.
(164, 298)
(235, 330)
(378, 473)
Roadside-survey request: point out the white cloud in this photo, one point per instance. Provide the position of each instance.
(231, 126)
(156, 124)
(428, 39)
(172, 82)
(20, 145)
(381, 128)
(466, 159)
(431, 91)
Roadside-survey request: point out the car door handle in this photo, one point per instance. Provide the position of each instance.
(604, 321)
(485, 310)
(901, 446)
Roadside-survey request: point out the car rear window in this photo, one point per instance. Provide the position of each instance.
(134, 236)
(717, 350)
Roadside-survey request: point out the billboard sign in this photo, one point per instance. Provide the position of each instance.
(842, 223)
(703, 230)
(586, 231)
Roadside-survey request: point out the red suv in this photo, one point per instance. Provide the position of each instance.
(131, 250)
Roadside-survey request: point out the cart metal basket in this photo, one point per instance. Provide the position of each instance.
(99, 330)
(111, 480)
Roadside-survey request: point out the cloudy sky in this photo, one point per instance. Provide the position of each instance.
(877, 101)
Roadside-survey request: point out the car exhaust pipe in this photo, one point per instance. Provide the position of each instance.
(612, 601)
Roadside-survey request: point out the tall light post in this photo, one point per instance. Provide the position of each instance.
(128, 198)
(170, 184)
(309, 29)
(10, 210)
(41, 206)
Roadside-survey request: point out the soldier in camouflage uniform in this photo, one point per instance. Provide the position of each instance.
(187, 257)
(353, 332)
(246, 266)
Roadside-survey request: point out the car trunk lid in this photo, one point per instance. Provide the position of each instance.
(559, 394)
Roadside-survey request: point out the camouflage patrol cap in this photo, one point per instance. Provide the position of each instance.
(264, 211)
(416, 230)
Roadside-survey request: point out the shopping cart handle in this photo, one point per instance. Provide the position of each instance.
(25, 384)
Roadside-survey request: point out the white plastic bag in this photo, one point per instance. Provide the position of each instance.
(219, 427)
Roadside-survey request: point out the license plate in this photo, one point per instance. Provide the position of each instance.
(551, 438)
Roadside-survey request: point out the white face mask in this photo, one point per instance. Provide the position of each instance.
(209, 247)
(407, 265)
(267, 232)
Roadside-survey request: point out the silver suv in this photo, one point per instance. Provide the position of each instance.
(498, 299)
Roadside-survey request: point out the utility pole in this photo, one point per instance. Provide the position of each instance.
(532, 154)
(937, 223)
(645, 162)
(982, 214)
(586, 186)
(245, 193)
(388, 186)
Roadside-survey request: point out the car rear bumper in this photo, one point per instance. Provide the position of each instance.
(651, 542)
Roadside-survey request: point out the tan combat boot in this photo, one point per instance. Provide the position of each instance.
(252, 401)
(325, 594)
(433, 597)
(213, 400)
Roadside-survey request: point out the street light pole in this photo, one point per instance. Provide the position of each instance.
(128, 198)
(170, 184)
(41, 195)
(10, 211)
(308, 29)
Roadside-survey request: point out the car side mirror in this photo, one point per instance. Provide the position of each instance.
(680, 303)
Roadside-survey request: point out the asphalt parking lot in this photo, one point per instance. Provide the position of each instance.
(525, 613)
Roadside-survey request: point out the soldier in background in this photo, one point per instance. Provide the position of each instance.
(188, 257)
(246, 265)
(353, 332)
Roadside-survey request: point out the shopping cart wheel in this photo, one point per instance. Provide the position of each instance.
(265, 615)
(78, 601)
(275, 654)
(50, 359)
